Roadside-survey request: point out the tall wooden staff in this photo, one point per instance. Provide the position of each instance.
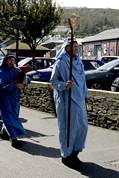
(72, 22)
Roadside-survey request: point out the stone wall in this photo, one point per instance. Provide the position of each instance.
(39, 96)
(102, 107)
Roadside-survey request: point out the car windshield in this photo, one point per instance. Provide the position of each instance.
(96, 64)
(109, 58)
(91, 64)
(108, 66)
(48, 62)
(24, 61)
(1, 60)
(41, 62)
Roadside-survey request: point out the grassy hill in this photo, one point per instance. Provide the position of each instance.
(92, 21)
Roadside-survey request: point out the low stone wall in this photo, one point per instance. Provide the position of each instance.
(102, 107)
(39, 96)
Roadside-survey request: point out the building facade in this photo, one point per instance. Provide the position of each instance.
(105, 43)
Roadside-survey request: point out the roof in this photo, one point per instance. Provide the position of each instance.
(105, 35)
(53, 39)
(79, 41)
(24, 46)
(61, 28)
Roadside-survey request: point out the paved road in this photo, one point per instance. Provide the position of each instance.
(40, 156)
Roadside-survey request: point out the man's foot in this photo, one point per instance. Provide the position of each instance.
(17, 143)
(72, 161)
(67, 161)
(4, 135)
(77, 160)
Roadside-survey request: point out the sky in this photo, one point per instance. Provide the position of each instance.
(113, 4)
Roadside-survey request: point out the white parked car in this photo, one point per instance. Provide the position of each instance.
(106, 59)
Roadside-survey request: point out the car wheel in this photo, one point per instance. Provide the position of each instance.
(96, 86)
(113, 89)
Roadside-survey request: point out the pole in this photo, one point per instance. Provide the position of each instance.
(70, 78)
(17, 34)
(17, 46)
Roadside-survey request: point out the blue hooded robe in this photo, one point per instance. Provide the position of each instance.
(79, 92)
(10, 102)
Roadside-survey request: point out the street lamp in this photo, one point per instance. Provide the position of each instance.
(18, 23)
(17, 32)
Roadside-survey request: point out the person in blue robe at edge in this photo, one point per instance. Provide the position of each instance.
(11, 85)
(79, 95)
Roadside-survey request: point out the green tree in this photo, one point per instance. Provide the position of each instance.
(34, 18)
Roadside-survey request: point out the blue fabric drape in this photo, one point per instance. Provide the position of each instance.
(10, 102)
(79, 123)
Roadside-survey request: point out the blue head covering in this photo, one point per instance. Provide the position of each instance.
(62, 51)
(4, 64)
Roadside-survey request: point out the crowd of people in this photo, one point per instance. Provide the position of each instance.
(12, 83)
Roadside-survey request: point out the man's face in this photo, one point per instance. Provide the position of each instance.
(75, 49)
(10, 62)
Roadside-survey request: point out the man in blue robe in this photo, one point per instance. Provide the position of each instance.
(11, 84)
(61, 84)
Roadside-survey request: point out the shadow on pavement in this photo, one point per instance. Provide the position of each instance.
(93, 170)
(31, 133)
(23, 120)
(53, 117)
(37, 149)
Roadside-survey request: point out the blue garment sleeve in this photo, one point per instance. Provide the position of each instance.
(57, 78)
(86, 91)
(3, 84)
(7, 79)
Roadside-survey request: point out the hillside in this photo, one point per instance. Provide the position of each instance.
(92, 21)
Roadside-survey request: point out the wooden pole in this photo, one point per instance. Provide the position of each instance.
(70, 78)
